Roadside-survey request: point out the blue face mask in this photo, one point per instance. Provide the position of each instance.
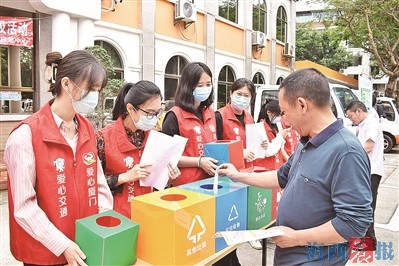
(144, 123)
(86, 104)
(240, 102)
(276, 119)
(202, 93)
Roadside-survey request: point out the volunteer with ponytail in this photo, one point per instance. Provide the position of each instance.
(54, 175)
(275, 154)
(192, 117)
(292, 139)
(231, 119)
(120, 145)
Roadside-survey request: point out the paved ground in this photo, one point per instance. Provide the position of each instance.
(387, 222)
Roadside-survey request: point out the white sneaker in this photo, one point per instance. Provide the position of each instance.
(256, 244)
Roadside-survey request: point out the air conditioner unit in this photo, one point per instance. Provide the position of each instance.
(288, 50)
(185, 11)
(259, 39)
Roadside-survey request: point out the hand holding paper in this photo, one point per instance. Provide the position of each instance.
(138, 172)
(255, 135)
(160, 150)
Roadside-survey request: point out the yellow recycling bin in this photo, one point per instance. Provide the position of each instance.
(176, 226)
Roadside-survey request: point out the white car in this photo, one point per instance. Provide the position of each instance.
(341, 96)
(389, 122)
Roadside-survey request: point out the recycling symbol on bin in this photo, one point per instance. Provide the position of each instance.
(233, 213)
(191, 235)
(260, 203)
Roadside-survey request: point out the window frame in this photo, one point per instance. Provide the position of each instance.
(261, 11)
(173, 76)
(282, 23)
(27, 92)
(226, 83)
(119, 71)
(229, 2)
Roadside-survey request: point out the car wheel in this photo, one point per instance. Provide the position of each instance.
(388, 143)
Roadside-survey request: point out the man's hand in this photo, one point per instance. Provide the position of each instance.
(288, 240)
(74, 255)
(228, 169)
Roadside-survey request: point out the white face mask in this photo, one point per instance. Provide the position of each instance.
(202, 93)
(144, 123)
(87, 104)
(276, 119)
(240, 103)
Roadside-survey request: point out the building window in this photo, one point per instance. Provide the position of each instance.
(173, 71)
(259, 16)
(258, 78)
(116, 58)
(279, 80)
(4, 66)
(281, 25)
(225, 80)
(228, 9)
(18, 97)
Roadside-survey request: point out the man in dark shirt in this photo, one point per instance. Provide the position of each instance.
(327, 196)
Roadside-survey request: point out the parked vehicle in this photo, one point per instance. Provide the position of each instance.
(341, 96)
(389, 122)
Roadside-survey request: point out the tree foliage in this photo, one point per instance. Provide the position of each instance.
(322, 47)
(374, 26)
(98, 118)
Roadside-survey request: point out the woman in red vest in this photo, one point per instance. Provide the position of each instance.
(292, 139)
(120, 145)
(193, 118)
(54, 174)
(231, 119)
(275, 154)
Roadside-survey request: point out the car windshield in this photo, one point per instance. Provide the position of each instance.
(269, 95)
(345, 96)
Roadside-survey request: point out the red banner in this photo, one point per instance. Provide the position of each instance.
(17, 31)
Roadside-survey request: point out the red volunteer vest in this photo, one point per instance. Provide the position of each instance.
(272, 162)
(233, 129)
(198, 133)
(66, 186)
(121, 155)
(291, 140)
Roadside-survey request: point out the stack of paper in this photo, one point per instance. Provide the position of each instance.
(255, 134)
(236, 237)
(160, 150)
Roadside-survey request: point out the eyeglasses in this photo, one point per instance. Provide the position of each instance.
(239, 94)
(151, 115)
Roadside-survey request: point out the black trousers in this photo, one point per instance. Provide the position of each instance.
(375, 183)
(230, 259)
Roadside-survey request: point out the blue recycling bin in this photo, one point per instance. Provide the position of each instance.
(231, 205)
